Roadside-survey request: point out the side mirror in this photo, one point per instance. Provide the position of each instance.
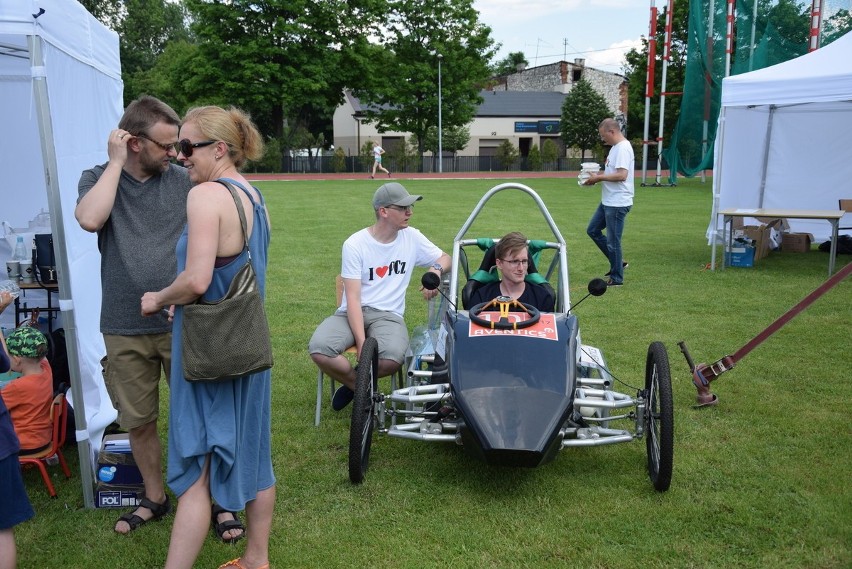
(597, 287)
(431, 281)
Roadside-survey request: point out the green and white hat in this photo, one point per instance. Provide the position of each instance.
(27, 342)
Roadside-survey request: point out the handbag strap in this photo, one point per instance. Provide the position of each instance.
(240, 210)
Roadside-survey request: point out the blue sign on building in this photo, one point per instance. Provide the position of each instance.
(523, 126)
(548, 127)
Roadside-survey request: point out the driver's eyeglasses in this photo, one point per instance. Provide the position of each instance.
(400, 207)
(166, 147)
(517, 262)
(186, 147)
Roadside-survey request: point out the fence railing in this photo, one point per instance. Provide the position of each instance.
(358, 165)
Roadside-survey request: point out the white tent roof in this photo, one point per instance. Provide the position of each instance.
(60, 96)
(67, 26)
(819, 76)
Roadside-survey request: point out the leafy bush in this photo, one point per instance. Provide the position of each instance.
(549, 154)
(507, 155)
(534, 158)
(338, 161)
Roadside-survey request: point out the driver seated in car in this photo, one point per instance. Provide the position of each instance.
(512, 260)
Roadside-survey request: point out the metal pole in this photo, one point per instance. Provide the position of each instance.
(666, 57)
(816, 25)
(649, 88)
(57, 221)
(440, 127)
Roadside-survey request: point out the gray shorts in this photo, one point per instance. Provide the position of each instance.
(333, 336)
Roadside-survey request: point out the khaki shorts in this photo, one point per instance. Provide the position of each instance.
(132, 370)
(333, 336)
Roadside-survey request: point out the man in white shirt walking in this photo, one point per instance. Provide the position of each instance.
(616, 199)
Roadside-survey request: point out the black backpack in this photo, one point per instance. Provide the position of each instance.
(844, 245)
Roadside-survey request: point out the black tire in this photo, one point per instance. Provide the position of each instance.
(659, 417)
(363, 411)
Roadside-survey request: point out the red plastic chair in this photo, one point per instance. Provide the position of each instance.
(58, 411)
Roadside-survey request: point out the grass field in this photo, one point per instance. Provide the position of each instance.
(762, 480)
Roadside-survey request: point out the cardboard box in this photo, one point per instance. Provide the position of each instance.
(115, 462)
(762, 236)
(114, 496)
(796, 242)
(740, 256)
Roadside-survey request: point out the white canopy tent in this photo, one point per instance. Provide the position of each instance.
(784, 138)
(60, 95)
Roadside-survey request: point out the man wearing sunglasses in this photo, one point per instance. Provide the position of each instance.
(136, 203)
(377, 265)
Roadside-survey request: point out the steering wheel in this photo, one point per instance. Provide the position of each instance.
(503, 304)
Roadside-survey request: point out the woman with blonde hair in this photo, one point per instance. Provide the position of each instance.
(219, 433)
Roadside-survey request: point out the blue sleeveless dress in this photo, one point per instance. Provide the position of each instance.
(230, 421)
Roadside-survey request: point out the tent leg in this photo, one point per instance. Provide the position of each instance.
(42, 103)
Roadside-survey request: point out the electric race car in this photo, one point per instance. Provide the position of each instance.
(512, 387)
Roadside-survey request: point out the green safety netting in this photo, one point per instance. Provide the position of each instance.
(765, 32)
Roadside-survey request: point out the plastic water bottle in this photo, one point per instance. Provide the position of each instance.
(11, 287)
(20, 250)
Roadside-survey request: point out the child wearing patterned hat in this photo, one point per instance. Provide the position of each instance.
(29, 397)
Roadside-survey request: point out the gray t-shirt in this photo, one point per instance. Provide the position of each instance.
(137, 245)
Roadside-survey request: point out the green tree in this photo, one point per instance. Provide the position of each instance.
(549, 154)
(404, 156)
(837, 25)
(365, 157)
(453, 139)
(403, 94)
(108, 12)
(338, 161)
(284, 61)
(509, 64)
(582, 111)
(145, 28)
(507, 155)
(534, 158)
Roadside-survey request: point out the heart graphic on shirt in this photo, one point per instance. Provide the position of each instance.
(382, 271)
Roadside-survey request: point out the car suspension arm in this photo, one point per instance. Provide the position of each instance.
(703, 374)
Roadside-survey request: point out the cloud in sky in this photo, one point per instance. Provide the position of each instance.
(601, 31)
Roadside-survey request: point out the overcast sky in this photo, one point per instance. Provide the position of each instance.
(547, 31)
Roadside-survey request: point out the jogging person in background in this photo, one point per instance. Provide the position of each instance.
(377, 160)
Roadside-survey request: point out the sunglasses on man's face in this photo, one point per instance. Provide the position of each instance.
(166, 147)
(186, 147)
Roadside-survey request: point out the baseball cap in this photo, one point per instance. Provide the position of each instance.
(393, 193)
(27, 342)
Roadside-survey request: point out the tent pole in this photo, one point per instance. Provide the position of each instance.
(765, 165)
(717, 192)
(51, 174)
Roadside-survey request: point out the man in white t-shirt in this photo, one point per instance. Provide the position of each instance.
(377, 265)
(616, 199)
